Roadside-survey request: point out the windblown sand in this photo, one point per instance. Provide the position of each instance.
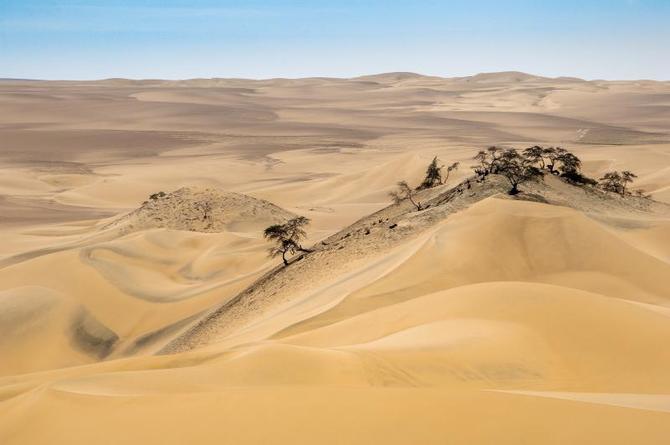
(484, 319)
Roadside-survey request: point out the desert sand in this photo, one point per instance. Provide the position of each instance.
(485, 318)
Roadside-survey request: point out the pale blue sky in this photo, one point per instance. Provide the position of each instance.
(77, 39)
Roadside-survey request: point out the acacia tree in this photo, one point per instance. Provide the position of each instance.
(534, 155)
(489, 160)
(403, 192)
(516, 169)
(287, 237)
(569, 163)
(433, 175)
(554, 155)
(612, 182)
(616, 182)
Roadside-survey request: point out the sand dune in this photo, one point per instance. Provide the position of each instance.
(484, 318)
(182, 250)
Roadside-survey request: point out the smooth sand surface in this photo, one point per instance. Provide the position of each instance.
(496, 320)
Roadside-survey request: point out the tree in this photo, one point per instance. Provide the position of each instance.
(612, 182)
(616, 182)
(451, 168)
(488, 161)
(404, 192)
(553, 154)
(534, 155)
(287, 237)
(626, 177)
(495, 153)
(433, 175)
(569, 168)
(569, 162)
(484, 166)
(516, 169)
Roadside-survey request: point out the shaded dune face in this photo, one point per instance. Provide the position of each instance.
(74, 334)
(92, 337)
(483, 318)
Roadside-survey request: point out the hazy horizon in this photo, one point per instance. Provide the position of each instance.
(322, 77)
(175, 39)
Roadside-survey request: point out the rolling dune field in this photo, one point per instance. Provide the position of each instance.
(483, 318)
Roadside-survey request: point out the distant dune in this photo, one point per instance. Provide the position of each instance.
(138, 303)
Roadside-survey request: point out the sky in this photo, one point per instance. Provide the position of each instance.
(178, 39)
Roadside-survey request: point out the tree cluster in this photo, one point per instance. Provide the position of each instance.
(516, 166)
(434, 177)
(532, 162)
(617, 182)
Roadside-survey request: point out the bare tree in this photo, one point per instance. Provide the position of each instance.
(287, 237)
(403, 192)
(626, 177)
(451, 168)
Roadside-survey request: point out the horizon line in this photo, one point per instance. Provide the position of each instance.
(385, 73)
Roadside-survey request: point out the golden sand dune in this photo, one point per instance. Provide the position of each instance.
(183, 250)
(483, 318)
